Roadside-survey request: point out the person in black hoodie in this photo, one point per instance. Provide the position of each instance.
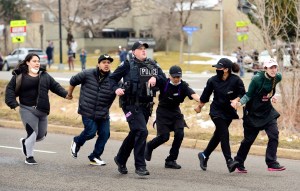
(31, 84)
(96, 97)
(226, 87)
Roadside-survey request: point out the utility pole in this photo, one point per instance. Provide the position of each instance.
(221, 27)
(61, 67)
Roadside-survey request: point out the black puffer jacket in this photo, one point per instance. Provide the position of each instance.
(46, 83)
(96, 95)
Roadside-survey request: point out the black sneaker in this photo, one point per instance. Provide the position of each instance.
(275, 167)
(232, 165)
(172, 164)
(22, 141)
(241, 169)
(203, 161)
(121, 168)
(30, 161)
(142, 171)
(148, 152)
(74, 149)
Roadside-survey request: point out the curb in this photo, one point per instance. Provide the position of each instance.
(187, 143)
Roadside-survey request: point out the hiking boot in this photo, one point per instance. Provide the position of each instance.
(241, 169)
(30, 161)
(203, 161)
(121, 167)
(148, 152)
(74, 149)
(142, 171)
(275, 167)
(97, 162)
(232, 165)
(22, 141)
(172, 164)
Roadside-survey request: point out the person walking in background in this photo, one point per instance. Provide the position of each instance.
(70, 59)
(49, 52)
(95, 100)
(240, 58)
(31, 84)
(1, 62)
(136, 101)
(226, 87)
(123, 55)
(259, 114)
(169, 118)
(73, 46)
(83, 59)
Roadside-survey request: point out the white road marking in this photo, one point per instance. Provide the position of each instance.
(41, 151)
(62, 79)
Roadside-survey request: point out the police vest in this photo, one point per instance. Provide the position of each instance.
(140, 73)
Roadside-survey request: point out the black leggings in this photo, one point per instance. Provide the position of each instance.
(221, 134)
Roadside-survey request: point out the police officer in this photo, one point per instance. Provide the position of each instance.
(136, 100)
(168, 115)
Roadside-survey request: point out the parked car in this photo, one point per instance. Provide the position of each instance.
(19, 54)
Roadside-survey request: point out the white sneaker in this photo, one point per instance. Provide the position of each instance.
(97, 162)
(74, 149)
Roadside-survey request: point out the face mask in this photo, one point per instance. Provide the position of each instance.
(35, 71)
(175, 84)
(220, 73)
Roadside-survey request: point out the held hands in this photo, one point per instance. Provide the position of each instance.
(235, 104)
(152, 82)
(120, 92)
(69, 97)
(198, 108)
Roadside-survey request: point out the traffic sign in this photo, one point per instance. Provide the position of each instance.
(190, 29)
(18, 30)
(18, 39)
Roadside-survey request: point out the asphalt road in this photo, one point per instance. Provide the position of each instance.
(57, 170)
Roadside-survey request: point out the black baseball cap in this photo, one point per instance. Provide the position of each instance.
(138, 44)
(175, 71)
(223, 63)
(105, 57)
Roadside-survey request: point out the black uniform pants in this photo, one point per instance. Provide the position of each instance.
(161, 139)
(221, 134)
(137, 118)
(250, 134)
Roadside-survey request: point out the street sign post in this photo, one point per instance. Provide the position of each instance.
(189, 30)
(18, 30)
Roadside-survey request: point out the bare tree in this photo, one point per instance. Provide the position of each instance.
(172, 16)
(165, 21)
(92, 15)
(184, 15)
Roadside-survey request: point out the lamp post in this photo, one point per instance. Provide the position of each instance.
(60, 36)
(221, 27)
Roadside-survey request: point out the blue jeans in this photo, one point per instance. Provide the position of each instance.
(102, 127)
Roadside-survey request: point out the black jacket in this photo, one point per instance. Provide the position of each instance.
(96, 96)
(224, 91)
(46, 83)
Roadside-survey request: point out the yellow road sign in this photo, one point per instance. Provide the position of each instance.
(243, 37)
(18, 23)
(18, 39)
(242, 23)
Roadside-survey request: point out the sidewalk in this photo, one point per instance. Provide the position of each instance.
(188, 143)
